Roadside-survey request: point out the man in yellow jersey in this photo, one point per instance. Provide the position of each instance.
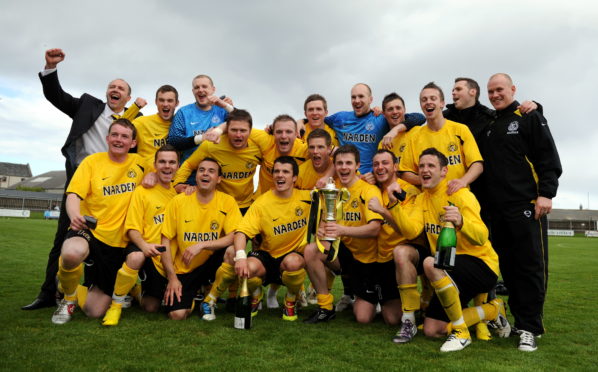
(143, 225)
(280, 216)
(237, 156)
(196, 230)
(384, 164)
(101, 188)
(152, 130)
(476, 263)
(319, 147)
(393, 109)
(454, 140)
(358, 252)
(316, 109)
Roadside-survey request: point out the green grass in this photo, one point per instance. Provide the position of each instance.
(149, 341)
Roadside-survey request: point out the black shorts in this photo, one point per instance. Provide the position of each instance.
(387, 280)
(102, 263)
(472, 276)
(271, 264)
(152, 282)
(365, 279)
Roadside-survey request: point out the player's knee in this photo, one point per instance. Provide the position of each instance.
(391, 318)
(402, 254)
(310, 252)
(94, 312)
(429, 266)
(364, 317)
(293, 262)
(178, 314)
(150, 304)
(73, 254)
(135, 260)
(229, 255)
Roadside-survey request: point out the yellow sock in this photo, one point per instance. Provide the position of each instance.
(480, 299)
(225, 276)
(81, 295)
(293, 280)
(449, 298)
(254, 283)
(330, 279)
(125, 280)
(410, 300)
(325, 301)
(69, 280)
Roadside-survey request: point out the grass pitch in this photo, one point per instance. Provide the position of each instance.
(151, 342)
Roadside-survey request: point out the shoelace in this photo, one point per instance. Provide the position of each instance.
(527, 338)
(407, 330)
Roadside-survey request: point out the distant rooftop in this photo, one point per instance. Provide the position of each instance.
(16, 170)
(47, 181)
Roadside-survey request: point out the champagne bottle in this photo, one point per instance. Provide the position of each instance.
(243, 308)
(446, 247)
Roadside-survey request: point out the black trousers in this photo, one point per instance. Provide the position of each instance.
(522, 246)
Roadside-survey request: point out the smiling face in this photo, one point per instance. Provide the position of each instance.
(238, 133)
(120, 140)
(202, 89)
(166, 102)
(431, 103)
(284, 180)
(208, 176)
(346, 169)
(384, 168)
(315, 112)
(361, 99)
(285, 133)
(166, 165)
(319, 152)
(463, 95)
(394, 112)
(501, 91)
(117, 95)
(430, 171)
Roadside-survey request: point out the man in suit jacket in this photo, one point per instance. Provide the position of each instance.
(91, 119)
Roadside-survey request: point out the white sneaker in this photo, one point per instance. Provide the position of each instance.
(127, 302)
(301, 300)
(344, 303)
(527, 341)
(501, 323)
(208, 311)
(458, 340)
(64, 312)
(312, 297)
(271, 300)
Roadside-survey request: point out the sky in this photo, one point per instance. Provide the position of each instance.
(268, 56)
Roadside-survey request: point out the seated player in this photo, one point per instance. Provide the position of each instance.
(101, 188)
(384, 163)
(143, 225)
(280, 216)
(196, 229)
(476, 264)
(358, 253)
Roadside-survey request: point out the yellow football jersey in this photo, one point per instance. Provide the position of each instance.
(399, 143)
(105, 188)
(426, 215)
(307, 176)
(146, 214)
(356, 213)
(238, 167)
(454, 140)
(187, 222)
(281, 222)
(152, 132)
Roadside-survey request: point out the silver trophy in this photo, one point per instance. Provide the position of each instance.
(329, 198)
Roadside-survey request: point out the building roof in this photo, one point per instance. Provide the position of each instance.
(14, 169)
(573, 214)
(4, 193)
(48, 180)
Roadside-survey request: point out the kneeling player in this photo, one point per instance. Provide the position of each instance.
(196, 229)
(476, 263)
(280, 217)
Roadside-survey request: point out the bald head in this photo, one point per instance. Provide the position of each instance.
(501, 91)
(361, 99)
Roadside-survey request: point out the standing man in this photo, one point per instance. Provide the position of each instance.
(315, 109)
(194, 119)
(91, 119)
(101, 188)
(523, 167)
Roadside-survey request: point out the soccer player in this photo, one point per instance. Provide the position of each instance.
(393, 109)
(193, 120)
(452, 139)
(152, 130)
(319, 147)
(280, 216)
(195, 231)
(522, 171)
(101, 188)
(362, 128)
(316, 109)
(143, 224)
(476, 263)
(358, 251)
(91, 119)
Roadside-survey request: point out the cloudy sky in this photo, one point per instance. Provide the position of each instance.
(269, 55)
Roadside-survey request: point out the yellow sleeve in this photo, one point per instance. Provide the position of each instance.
(81, 182)
(372, 192)
(473, 227)
(407, 162)
(233, 218)
(250, 224)
(191, 163)
(135, 213)
(409, 219)
(169, 226)
(262, 139)
(131, 113)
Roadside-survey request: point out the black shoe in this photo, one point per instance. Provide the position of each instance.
(40, 303)
(320, 315)
(501, 289)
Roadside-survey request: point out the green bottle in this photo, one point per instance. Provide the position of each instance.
(446, 247)
(243, 309)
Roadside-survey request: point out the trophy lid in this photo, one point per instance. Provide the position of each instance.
(330, 185)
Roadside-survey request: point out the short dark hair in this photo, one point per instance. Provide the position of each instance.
(124, 123)
(471, 84)
(167, 148)
(283, 117)
(319, 133)
(386, 151)
(347, 149)
(285, 159)
(207, 158)
(168, 88)
(391, 97)
(240, 115)
(432, 85)
(315, 97)
(432, 151)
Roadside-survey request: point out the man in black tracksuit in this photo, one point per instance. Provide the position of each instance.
(522, 167)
